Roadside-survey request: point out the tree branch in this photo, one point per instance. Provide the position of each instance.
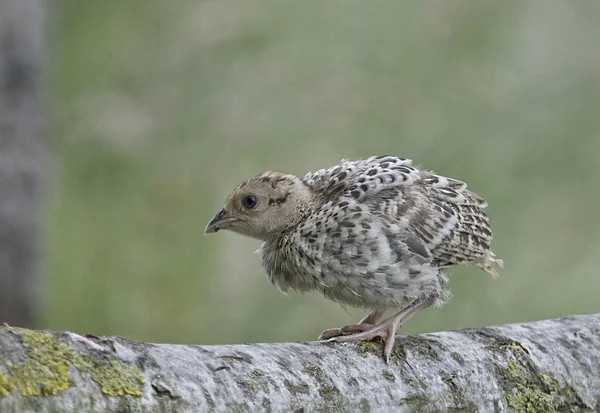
(551, 365)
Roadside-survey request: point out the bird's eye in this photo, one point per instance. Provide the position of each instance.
(250, 201)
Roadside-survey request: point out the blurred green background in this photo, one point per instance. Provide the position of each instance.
(158, 109)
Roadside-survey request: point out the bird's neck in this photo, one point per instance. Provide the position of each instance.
(299, 203)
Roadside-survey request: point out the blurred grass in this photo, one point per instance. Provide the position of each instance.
(158, 109)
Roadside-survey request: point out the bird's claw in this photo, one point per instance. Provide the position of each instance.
(330, 333)
(328, 340)
(344, 331)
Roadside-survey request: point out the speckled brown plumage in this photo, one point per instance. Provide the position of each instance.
(375, 233)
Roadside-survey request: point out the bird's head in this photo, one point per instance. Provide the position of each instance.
(264, 206)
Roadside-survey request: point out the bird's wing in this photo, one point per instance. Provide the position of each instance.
(435, 216)
(350, 243)
(453, 224)
(342, 230)
(357, 200)
(361, 179)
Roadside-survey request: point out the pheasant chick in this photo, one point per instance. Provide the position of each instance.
(376, 233)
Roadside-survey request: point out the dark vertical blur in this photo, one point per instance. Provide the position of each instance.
(22, 158)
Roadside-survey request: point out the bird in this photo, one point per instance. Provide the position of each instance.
(375, 233)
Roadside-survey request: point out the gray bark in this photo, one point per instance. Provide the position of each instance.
(551, 365)
(21, 157)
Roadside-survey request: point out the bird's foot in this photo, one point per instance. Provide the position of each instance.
(366, 323)
(387, 329)
(349, 329)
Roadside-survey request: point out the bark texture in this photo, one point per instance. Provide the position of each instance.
(22, 160)
(551, 365)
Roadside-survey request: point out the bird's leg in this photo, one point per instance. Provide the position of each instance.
(387, 329)
(366, 323)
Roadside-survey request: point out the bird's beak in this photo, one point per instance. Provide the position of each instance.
(220, 221)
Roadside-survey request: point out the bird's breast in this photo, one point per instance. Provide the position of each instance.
(288, 268)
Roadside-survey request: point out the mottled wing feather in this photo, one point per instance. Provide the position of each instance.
(456, 229)
(435, 216)
(362, 179)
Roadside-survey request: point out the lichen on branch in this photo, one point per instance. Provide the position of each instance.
(47, 363)
(544, 366)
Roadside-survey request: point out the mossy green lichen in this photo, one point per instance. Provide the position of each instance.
(389, 376)
(416, 402)
(266, 404)
(423, 402)
(333, 398)
(415, 383)
(457, 357)
(398, 353)
(209, 400)
(529, 391)
(260, 380)
(417, 344)
(526, 388)
(368, 347)
(461, 403)
(295, 389)
(313, 370)
(329, 393)
(353, 382)
(420, 345)
(364, 406)
(116, 378)
(531, 396)
(248, 387)
(5, 385)
(257, 373)
(45, 369)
